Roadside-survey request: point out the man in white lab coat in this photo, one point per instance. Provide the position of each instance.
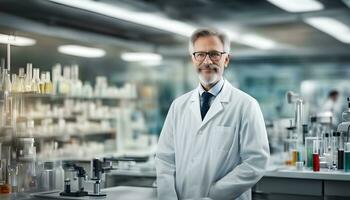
(213, 144)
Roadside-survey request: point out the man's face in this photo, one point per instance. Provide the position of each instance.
(209, 70)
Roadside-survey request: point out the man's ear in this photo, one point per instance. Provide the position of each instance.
(227, 60)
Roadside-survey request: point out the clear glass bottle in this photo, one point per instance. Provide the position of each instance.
(36, 80)
(5, 188)
(6, 83)
(2, 68)
(14, 82)
(21, 81)
(7, 118)
(42, 82)
(76, 84)
(65, 82)
(56, 78)
(87, 90)
(29, 77)
(48, 84)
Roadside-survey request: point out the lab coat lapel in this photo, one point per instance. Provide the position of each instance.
(195, 106)
(217, 105)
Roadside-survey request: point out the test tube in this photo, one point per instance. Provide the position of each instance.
(316, 157)
(334, 148)
(326, 142)
(347, 157)
(309, 141)
(340, 151)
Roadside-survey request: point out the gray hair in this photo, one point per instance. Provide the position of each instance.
(204, 32)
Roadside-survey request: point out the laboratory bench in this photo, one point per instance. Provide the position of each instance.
(113, 193)
(277, 183)
(291, 184)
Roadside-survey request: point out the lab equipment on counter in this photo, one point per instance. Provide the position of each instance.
(26, 163)
(317, 145)
(5, 187)
(309, 142)
(316, 157)
(340, 163)
(98, 167)
(51, 176)
(347, 157)
(344, 131)
(81, 175)
(298, 116)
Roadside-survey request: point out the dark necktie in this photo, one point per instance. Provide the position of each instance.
(205, 103)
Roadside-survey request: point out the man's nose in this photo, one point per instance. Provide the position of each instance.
(207, 60)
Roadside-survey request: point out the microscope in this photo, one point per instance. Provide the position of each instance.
(81, 175)
(98, 167)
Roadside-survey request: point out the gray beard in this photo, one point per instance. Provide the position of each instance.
(204, 81)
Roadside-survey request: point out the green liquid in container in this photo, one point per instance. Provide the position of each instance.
(309, 158)
(347, 161)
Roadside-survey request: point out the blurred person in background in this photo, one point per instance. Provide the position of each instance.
(213, 144)
(333, 106)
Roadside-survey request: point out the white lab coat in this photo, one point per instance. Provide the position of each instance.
(219, 158)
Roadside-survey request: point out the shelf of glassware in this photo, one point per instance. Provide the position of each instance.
(62, 97)
(64, 134)
(75, 134)
(88, 151)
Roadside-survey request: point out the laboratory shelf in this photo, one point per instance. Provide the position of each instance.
(91, 98)
(77, 133)
(53, 96)
(72, 117)
(107, 154)
(31, 95)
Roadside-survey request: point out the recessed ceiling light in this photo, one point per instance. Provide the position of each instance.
(82, 51)
(258, 41)
(252, 40)
(16, 40)
(140, 56)
(331, 26)
(347, 2)
(147, 19)
(298, 5)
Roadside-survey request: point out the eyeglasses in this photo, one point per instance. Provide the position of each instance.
(213, 55)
